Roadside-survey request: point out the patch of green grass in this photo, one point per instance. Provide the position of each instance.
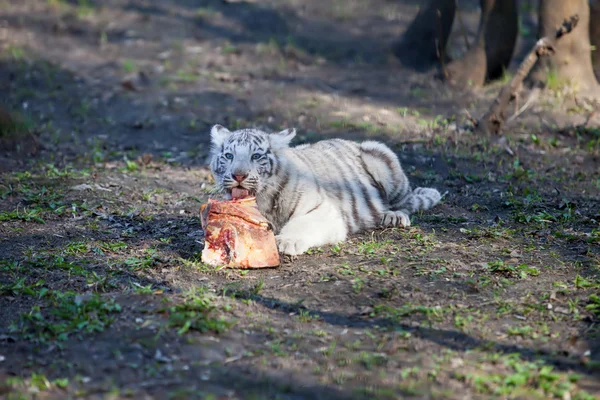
(84, 8)
(16, 53)
(111, 247)
(346, 269)
(314, 250)
(519, 173)
(489, 232)
(20, 287)
(81, 109)
(305, 316)
(196, 263)
(139, 263)
(36, 383)
(10, 266)
(357, 284)
(397, 313)
(594, 304)
(205, 12)
(372, 246)
(43, 197)
(554, 81)
(67, 172)
(139, 289)
(25, 215)
(336, 249)
(229, 48)
(256, 289)
(15, 128)
(131, 166)
(196, 312)
(75, 248)
(370, 360)
(272, 47)
(521, 271)
(583, 283)
(524, 379)
(68, 315)
(128, 66)
(528, 331)
(346, 124)
(183, 76)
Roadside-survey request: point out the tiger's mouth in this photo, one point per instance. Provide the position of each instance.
(238, 193)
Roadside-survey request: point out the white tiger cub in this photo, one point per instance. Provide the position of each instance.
(319, 193)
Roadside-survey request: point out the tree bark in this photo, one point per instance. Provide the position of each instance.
(571, 61)
(500, 37)
(493, 48)
(493, 120)
(595, 35)
(425, 39)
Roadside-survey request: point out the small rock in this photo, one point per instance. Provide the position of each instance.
(164, 55)
(457, 362)
(365, 310)
(98, 187)
(158, 356)
(129, 84)
(83, 186)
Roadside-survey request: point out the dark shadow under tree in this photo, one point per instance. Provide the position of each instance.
(490, 56)
(595, 35)
(425, 39)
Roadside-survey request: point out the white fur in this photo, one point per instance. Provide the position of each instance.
(317, 194)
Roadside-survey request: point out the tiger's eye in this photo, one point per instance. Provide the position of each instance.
(255, 156)
(229, 156)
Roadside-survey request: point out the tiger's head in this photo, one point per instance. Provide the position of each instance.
(244, 160)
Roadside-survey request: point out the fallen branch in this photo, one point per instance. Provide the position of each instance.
(493, 120)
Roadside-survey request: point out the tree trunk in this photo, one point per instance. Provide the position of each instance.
(493, 120)
(595, 35)
(491, 54)
(500, 37)
(572, 58)
(426, 37)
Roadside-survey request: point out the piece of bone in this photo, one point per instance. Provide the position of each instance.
(236, 235)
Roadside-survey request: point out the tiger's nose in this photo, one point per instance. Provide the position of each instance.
(239, 177)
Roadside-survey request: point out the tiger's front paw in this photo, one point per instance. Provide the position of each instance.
(290, 246)
(395, 218)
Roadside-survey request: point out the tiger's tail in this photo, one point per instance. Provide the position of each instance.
(418, 199)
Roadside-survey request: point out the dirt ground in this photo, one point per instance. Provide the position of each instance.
(495, 293)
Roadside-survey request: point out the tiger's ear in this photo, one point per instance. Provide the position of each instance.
(282, 139)
(218, 134)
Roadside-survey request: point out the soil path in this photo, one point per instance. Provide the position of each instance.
(494, 293)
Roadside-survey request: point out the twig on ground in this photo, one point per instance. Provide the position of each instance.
(520, 111)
